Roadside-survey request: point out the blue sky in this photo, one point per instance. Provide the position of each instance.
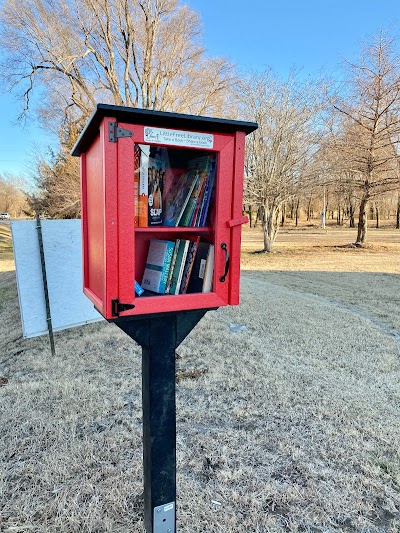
(307, 34)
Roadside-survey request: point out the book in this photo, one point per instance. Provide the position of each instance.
(138, 289)
(143, 185)
(190, 257)
(209, 271)
(136, 172)
(156, 173)
(197, 210)
(199, 267)
(208, 192)
(158, 264)
(177, 272)
(195, 198)
(171, 269)
(178, 197)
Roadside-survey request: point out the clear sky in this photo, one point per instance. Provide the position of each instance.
(307, 34)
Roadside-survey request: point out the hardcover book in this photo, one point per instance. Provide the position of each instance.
(158, 264)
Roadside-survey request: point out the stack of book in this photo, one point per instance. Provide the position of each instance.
(188, 198)
(172, 197)
(179, 267)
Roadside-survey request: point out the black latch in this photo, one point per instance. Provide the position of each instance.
(115, 133)
(117, 307)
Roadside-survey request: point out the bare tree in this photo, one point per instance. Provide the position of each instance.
(13, 199)
(141, 53)
(369, 138)
(280, 151)
(72, 54)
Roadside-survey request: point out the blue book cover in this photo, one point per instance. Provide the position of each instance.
(158, 264)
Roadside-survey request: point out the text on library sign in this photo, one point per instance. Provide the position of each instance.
(178, 138)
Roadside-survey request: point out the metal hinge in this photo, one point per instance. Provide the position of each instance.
(117, 307)
(115, 133)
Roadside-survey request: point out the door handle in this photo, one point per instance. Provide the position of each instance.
(225, 248)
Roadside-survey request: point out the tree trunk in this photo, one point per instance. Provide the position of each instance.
(377, 216)
(270, 227)
(352, 223)
(309, 209)
(362, 221)
(398, 213)
(297, 212)
(283, 215)
(251, 215)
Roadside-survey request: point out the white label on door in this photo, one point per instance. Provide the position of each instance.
(178, 138)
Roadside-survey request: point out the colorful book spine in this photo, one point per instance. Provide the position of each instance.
(171, 270)
(179, 266)
(136, 174)
(158, 264)
(207, 198)
(191, 254)
(143, 186)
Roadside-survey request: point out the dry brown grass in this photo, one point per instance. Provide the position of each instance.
(290, 425)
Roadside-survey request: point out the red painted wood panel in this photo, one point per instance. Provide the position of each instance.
(237, 206)
(93, 221)
(110, 173)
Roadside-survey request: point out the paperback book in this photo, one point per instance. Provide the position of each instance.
(143, 185)
(209, 271)
(178, 197)
(177, 272)
(136, 173)
(171, 269)
(158, 265)
(199, 267)
(156, 174)
(190, 257)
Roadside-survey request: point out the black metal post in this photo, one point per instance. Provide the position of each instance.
(159, 335)
(45, 287)
(159, 426)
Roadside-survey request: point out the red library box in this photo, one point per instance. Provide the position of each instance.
(162, 206)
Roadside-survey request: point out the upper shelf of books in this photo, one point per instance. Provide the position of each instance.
(174, 187)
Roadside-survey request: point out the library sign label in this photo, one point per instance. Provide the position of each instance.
(178, 138)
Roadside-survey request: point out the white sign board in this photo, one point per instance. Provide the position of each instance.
(191, 139)
(62, 243)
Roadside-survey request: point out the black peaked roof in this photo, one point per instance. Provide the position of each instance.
(164, 119)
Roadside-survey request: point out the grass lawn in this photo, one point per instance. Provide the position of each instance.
(290, 425)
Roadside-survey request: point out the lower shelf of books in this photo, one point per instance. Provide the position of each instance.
(178, 264)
